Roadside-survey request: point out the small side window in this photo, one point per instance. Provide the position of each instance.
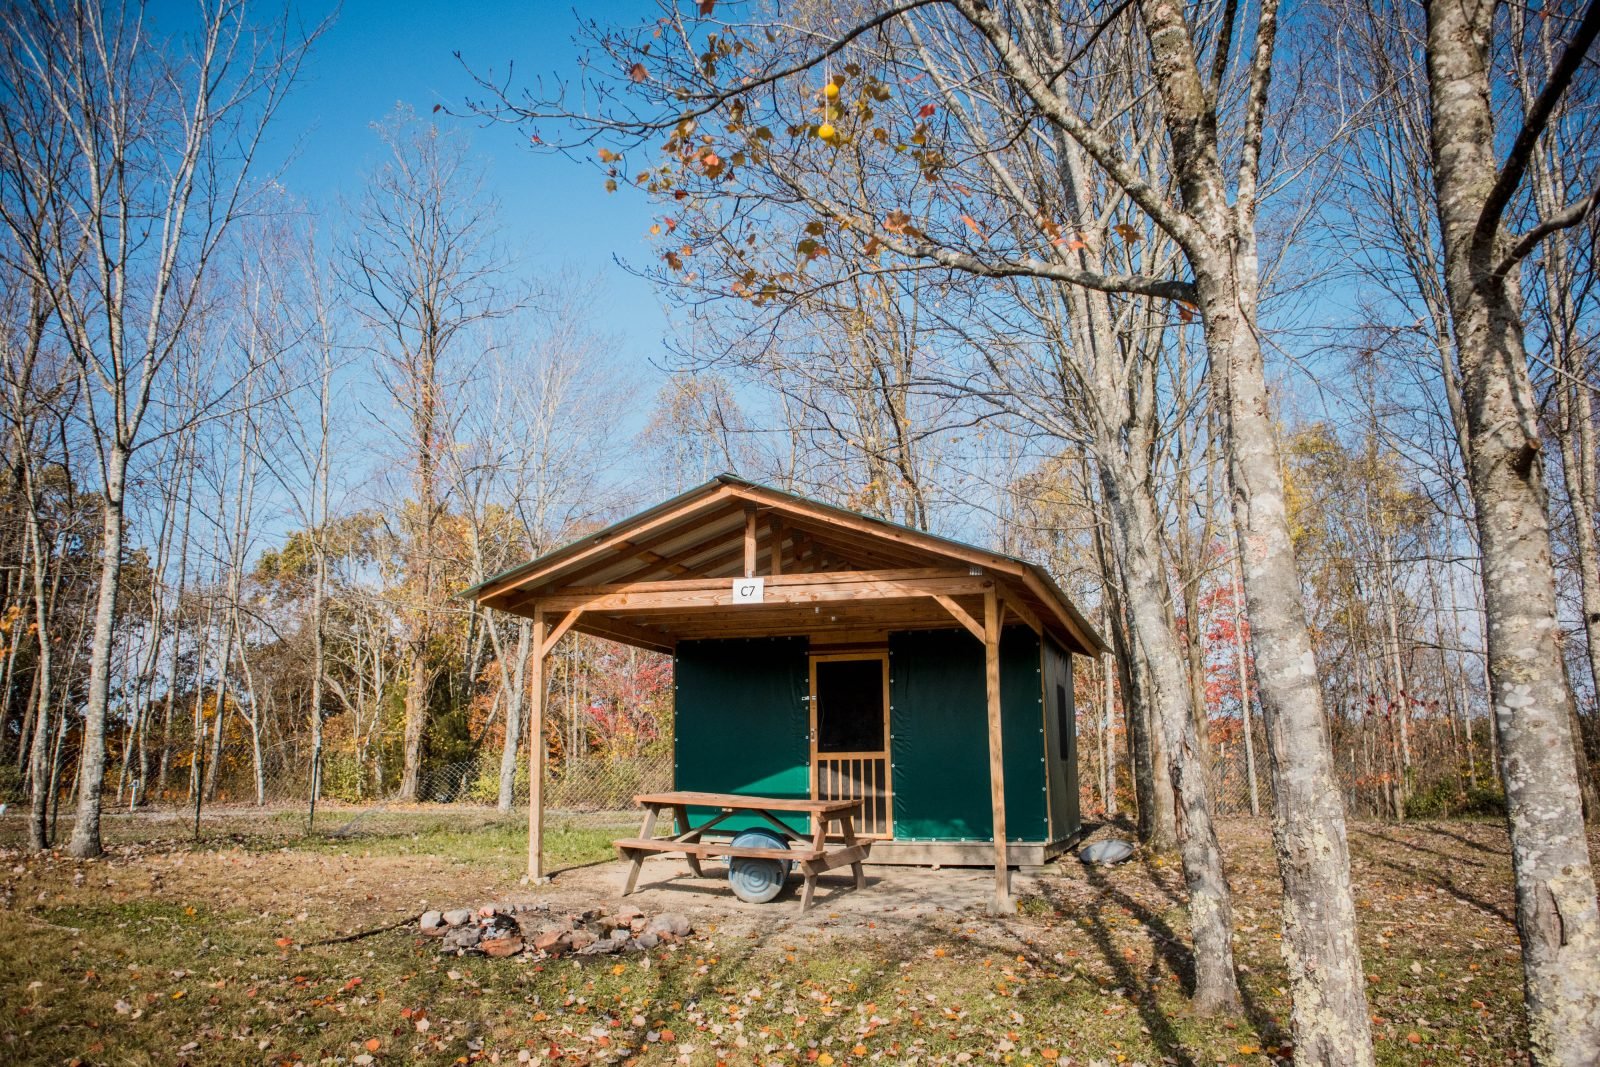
(1064, 725)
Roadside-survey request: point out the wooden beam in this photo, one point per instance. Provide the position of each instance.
(775, 528)
(847, 543)
(536, 874)
(777, 581)
(811, 592)
(750, 541)
(726, 560)
(961, 615)
(1078, 628)
(560, 630)
(690, 564)
(601, 545)
(1025, 613)
(677, 562)
(992, 606)
(876, 531)
(626, 633)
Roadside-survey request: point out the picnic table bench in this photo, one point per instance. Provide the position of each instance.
(814, 855)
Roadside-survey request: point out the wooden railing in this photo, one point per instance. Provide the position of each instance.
(862, 776)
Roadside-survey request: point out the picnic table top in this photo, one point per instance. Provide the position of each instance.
(748, 803)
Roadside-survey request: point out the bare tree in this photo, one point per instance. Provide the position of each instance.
(140, 168)
(423, 267)
(1557, 914)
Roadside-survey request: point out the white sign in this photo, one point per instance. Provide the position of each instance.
(749, 590)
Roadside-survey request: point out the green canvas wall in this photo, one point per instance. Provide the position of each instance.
(940, 747)
(742, 722)
(1061, 741)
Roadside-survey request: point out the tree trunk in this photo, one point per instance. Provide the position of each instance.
(85, 842)
(39, 749)
(1242, 659)
(1578, 474)
(1152, 786)
(418, 682)
(1132, 508)
(514, 704)
(1329, 1016)
(1557, 916)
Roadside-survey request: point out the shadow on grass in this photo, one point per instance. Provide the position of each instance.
(1438, 878)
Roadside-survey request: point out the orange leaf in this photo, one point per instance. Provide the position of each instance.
(637, 73)
(926, 111)
(284, 942)
(373, 1044)
(707, 7)
(973, 226)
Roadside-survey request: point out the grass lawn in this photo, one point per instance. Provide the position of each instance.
(172, 952)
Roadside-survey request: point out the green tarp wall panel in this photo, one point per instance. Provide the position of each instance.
(940, 746)
(1061, 741)
(741, 721)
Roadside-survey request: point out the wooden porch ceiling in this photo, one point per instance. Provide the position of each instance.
(666, 575)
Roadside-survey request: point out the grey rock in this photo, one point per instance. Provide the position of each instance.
(669, 922)
(1105, 853)
(458, 916)
(647, 941)
(432, 923)
(461, 938)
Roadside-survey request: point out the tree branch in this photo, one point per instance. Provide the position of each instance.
(1571, 215)
(1533, 126)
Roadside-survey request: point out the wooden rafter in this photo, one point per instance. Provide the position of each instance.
(961, 615)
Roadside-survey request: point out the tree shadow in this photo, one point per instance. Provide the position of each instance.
(1180, 958)
(1455, 835)
(1439, 879)
(1413, 846)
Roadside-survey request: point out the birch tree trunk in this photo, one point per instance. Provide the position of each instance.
(1557, 915)
(1327, 982)
(1210, 905)
(515, 699)
(85, 841)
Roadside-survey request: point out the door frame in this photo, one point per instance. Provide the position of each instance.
(882, 656)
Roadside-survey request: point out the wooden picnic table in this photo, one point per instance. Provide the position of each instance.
(813, 855)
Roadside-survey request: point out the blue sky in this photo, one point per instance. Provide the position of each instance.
(377, 54)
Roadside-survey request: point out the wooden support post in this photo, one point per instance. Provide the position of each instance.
(775, 538)
(749, 542)
(536, 873)
(997, 770)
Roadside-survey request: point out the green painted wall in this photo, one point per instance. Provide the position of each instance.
(940, 746)
(742, 721)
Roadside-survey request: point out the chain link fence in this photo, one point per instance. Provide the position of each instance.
(592, 789)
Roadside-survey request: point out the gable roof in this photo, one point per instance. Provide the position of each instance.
(700, 535)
